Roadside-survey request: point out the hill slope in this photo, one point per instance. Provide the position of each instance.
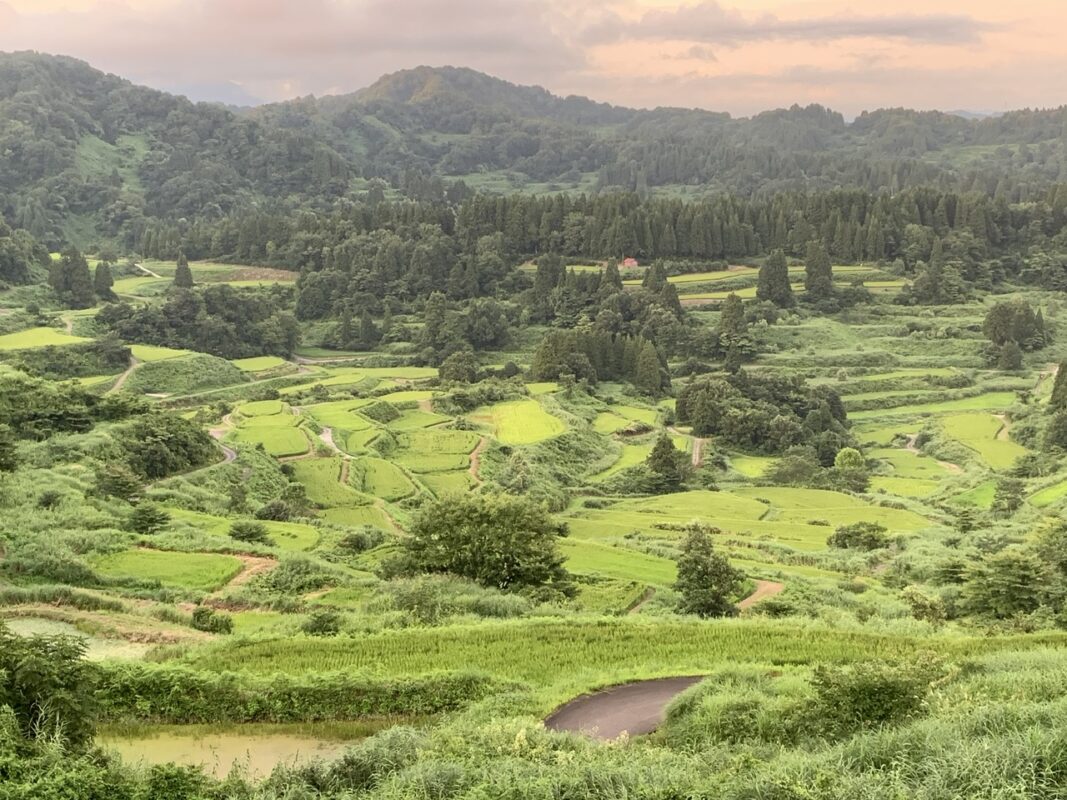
(85, 155)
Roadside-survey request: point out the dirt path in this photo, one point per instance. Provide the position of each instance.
(646, 595)
(476, 459)
(149, 272)
(253, 566)
(426, 405)
(764, 589)
(326, 437)
(125, 376)
(1050, 371)
(698, 451)
(948, 466)
(633, 708)
(68, 324)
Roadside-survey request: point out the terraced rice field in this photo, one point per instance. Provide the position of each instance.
(280, 439)
(380, 478)
(259, 363)
(978, 431)
(321, 478)
(38, 337)
(752, 466)
(1049, 495)
(293, 536)
(147, 352)
(986, 401)
(585, 557)
(633, 454)
(203, 571)
(518, 422)
(800, 518)
(981, 496)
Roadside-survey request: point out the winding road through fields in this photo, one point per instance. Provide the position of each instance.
(633, 708)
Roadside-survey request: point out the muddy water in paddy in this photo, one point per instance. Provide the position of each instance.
(253, 749)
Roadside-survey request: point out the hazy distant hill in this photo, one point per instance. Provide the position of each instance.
(83, 153)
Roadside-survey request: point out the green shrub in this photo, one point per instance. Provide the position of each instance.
(322, 623)
(212, 621)
(169, 694)
(860, 536)
(870, 694)
(147, 518)
(250, 531)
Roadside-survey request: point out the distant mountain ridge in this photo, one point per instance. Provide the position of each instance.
(85, 154)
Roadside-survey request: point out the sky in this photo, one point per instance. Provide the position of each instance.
(740, 56)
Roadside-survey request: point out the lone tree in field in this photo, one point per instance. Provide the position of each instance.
(773, 283)
(818, 273)
(706, 581)
(505, 542)
(668, 463)
(183, 276)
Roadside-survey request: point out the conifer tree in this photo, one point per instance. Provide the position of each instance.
(773, 282)
(647, 374)
(1058, 400)
(369, 336)
(732, 320)
(79, 281)
(818, 272)
(667, 462)
(103, 281)
(183, 276)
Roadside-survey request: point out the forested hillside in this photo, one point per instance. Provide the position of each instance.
(87, 157)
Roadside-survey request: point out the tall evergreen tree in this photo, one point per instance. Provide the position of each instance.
(1058, 400)
(773, 282)
(183, 276)
(818, 272)
(667, 462)
(79, 281)
(732, 320)
(103, 281)
(647, 374)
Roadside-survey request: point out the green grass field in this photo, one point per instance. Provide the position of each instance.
(1049, 495)
(322, 479)
(987, 401)
(978, 432)
(520, 422)
(261, 408)
(380, 478)
(147, 352)
(294, 536)
(259, 363)
(573, 656)
(38, 337)
(202, 571)
(981, 496)
(586, 557)
(280, 441)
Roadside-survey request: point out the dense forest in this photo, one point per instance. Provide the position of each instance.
(86, 155)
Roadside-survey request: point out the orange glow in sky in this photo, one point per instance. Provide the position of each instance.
(740, 56)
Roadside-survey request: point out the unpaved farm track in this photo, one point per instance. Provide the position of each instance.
(633, 708)
(476, 460)
(764, 589)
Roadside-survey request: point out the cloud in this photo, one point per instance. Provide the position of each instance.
(696, 52)
(710, 23)
(275, 48)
